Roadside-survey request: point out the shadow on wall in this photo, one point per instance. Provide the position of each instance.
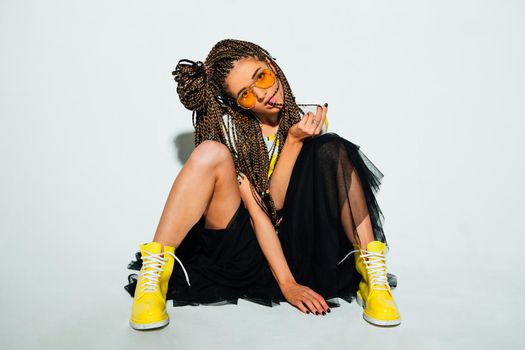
(184, 145)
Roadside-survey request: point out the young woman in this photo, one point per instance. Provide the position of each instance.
(269, 207)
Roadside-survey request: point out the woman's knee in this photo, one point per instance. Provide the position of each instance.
(211, 153)
(338, 152)
(329, 148)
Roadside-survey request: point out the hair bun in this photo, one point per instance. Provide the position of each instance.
(191, 83)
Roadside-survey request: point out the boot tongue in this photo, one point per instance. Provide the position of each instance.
(376, 247)
(151, 247)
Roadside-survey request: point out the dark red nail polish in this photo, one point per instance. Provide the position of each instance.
(324, 313)
(307, 312)
(326, 104)
(329, 310)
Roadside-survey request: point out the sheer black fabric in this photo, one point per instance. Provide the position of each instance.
(331, 193)
(223, 265)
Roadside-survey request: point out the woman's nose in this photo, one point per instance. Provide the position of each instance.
(259, 92)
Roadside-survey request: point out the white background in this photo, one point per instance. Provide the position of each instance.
(93, 135)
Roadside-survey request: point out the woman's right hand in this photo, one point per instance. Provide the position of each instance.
(304, 298)
(306, 127)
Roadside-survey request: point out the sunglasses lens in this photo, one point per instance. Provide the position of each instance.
(247, 99)
(265, 79)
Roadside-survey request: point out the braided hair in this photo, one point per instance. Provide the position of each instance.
(202, 89)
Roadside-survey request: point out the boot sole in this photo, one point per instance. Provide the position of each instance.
(374, 321)
(152, 325)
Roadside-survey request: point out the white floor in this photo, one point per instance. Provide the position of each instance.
(71, 302)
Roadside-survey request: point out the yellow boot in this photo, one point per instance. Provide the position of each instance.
(374, 294)
(149, 302)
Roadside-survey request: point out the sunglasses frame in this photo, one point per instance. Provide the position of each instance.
(250, 88)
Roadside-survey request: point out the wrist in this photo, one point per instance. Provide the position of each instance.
(286, 282)
(291, 139)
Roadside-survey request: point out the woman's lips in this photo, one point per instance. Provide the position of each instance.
(271, 101)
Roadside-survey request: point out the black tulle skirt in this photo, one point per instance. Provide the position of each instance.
(224, 265)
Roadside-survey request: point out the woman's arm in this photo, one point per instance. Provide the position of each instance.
(302, 297)
(283, 170)
(290, 151)
(266, 236)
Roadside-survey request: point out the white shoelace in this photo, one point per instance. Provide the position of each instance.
(347, 255)
(376, 267)
(153, 267)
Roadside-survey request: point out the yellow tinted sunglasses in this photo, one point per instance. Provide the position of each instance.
(247, 97)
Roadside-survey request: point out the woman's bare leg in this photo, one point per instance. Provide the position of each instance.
(354, 210)
(357, 203)
(206, 185)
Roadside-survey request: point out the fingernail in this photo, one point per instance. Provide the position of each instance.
(326, 104)
(317, 312)
(307, 312)
(324, 313)
(329, 310)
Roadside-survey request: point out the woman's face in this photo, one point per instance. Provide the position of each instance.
(243, 74)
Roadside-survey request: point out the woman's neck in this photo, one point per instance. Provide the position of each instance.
(268, 130)
(271, 120)
(269, 123)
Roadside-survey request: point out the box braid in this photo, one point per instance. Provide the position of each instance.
(201, 89)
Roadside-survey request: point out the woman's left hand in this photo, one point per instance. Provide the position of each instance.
(310, 125)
